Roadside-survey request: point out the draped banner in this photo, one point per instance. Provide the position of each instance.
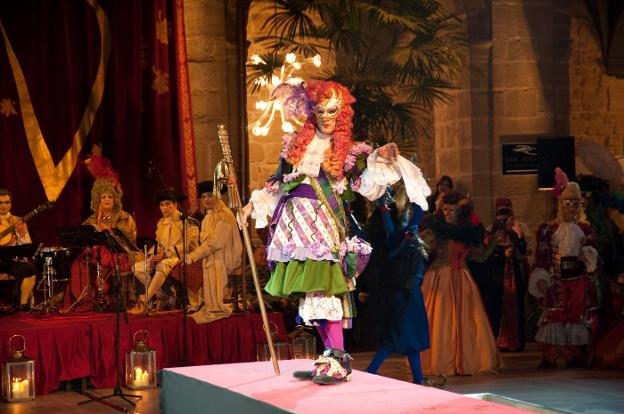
(74, 73)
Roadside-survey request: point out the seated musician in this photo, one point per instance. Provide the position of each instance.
(169, 248)
(23, 271)
(107, 214)
(220, 252)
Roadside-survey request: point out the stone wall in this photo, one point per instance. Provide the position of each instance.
(212, 60)
(516, 89)
(596, 99)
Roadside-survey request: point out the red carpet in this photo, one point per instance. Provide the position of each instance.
(252, 387)
(78, 345)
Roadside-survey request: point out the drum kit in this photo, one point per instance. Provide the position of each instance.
(53, 266)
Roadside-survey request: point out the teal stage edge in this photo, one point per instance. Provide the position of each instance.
(181, 394)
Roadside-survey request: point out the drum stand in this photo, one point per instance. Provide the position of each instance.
(49, 273)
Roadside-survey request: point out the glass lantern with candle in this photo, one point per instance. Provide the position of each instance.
(141, 364)
(303, 343)
(18, 374)
(281, 347)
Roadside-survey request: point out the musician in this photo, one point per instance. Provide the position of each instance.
(170, 246)
(23, 271)
(107, 214)
(204, 189)
(107, 210)
(220, 252)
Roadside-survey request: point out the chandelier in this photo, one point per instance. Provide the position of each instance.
(271, 108)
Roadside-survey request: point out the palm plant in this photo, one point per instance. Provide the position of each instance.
(397, 57)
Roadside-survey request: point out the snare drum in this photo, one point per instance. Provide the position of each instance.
(54, 260)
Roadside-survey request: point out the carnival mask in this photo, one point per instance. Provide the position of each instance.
(329, 108)
(571, 203)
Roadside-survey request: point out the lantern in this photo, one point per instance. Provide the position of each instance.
(18, 375)
(281, 347)
(303, 343)
(141, 364)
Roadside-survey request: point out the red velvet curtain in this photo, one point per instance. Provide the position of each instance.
(142, 121)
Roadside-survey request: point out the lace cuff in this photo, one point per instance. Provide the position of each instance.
(264, 203)
(380, 173)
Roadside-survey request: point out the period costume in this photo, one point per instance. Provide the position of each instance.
(563, 282)
(22, 270)
(508, 273)
(92, 270)
(220, 252)
(395, 274)
(311, 250)
(170, 242)
(462, 342)
(81, 276)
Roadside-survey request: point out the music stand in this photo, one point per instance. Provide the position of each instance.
(82, 237)
(20, 250)
(8, 253)
(112, 243)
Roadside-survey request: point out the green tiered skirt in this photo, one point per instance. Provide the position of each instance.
(296, 278)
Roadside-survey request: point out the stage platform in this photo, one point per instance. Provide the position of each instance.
(79, 345)
(253, 388)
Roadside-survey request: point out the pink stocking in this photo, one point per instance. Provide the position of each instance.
(334, 334)
(322, 330)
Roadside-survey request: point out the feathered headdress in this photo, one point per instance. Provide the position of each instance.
(299, 100)
(101, 168)
(106, 179)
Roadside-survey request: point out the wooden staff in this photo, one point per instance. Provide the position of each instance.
(236, 204)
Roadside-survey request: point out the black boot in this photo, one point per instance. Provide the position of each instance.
(333, 367)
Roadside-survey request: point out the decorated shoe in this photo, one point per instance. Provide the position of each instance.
(332, 367)
(437, 381)
(304, 375)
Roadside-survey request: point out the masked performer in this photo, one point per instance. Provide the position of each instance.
(563, 282)
(508, 268)
(461, 338)
(311, 254)
(395, 274)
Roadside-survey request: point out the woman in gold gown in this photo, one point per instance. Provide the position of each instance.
(462, 342)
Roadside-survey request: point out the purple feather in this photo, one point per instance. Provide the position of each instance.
(295, 103)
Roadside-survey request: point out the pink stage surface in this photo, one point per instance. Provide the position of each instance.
(366, 393)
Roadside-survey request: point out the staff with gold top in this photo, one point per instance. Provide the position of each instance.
(236, 205)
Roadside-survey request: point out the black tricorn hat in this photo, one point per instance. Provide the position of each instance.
(169, 194)
(207, 187)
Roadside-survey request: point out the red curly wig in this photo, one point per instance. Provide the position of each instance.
(319, 91)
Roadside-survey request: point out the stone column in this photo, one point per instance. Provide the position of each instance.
(214, 76)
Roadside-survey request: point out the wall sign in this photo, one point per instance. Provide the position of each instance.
(519, 158)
